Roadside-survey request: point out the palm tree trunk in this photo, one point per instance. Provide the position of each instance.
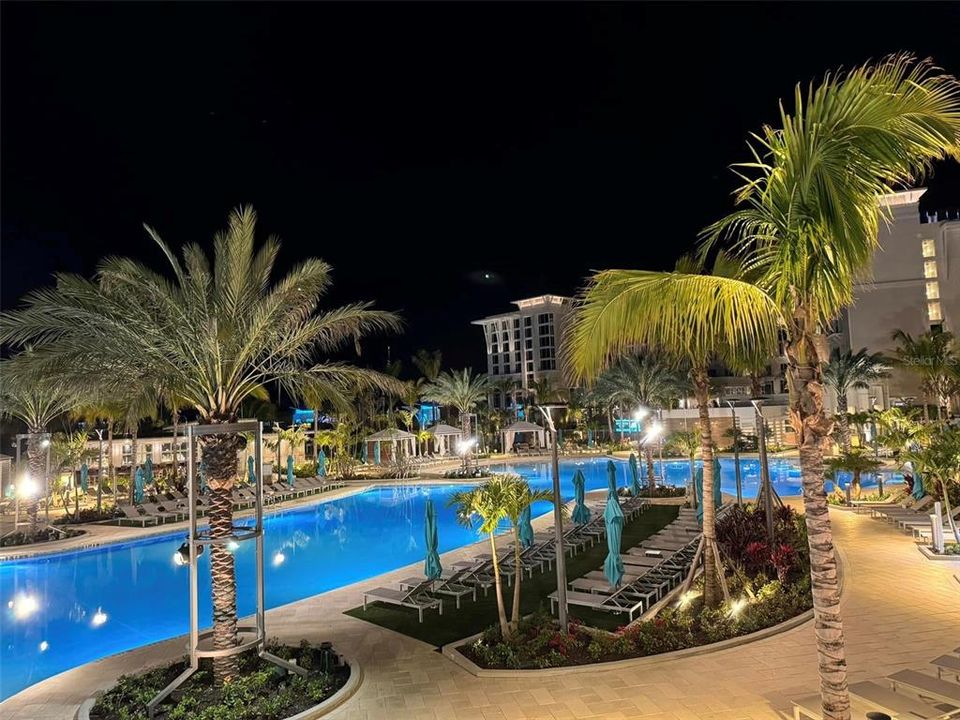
(842, 407)
(812, 426)
(36, 463)
(498, 585)
(711, 590)
(610, 424)
(651, 477)
(515, 613)
(220, 460)
(110, 469)
(857, 489)
(316, 426)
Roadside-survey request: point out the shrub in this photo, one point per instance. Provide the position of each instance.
(90, 515)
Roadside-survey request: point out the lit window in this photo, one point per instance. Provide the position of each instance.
(933, 309)
(929, 268)
(933, 290)
(929, 249)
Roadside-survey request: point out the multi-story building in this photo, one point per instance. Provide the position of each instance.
(522, 346)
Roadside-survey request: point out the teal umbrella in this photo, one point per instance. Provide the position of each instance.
(322, 464)
(612, 478)
(84, 477)
(717, 490)
(290, 470)
(202, 476)
(431, 566)
(251, 475)
(138, 486)
(376, 453)
(698, 485)
(581, 513)
(613, 517)
(148, 471)
(363, 453)
(560, 437)
(525, 528)
(634, 476)
(589, 438)
(918, 491)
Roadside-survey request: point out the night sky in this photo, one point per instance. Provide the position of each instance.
(417, 148)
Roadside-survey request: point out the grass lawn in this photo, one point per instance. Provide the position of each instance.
(476, 616)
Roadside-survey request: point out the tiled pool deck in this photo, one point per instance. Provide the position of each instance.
(900, 610)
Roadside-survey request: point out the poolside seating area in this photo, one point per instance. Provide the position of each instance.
(903, 694)
(910, 515)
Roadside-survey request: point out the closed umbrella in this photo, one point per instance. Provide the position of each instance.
(698, 485)
(251, 475)
(581, 513)
(525, 528)
(322, 464)
(612, 478)
(918, 491)
(376, 453)
(290, 470)
(84, 477)
(148, 471)
(634, 476)
(138, 486)
(363, 453)
(613, 517)
(431, 566)
(589, 438)
(202, 476)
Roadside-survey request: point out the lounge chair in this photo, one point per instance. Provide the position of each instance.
(444, 586)
(927, 686)
(131, 513)
(160, 511)
(416, 597)
(948, 664)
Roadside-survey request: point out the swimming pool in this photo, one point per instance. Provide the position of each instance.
(63, 610)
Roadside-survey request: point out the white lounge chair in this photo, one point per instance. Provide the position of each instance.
(416, 597)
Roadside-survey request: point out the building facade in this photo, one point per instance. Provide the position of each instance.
(522, 347)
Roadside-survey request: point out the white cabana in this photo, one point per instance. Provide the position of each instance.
(445, 438)
(392, 442)
(524, 433)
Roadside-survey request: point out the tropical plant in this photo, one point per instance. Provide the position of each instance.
(429, 363)
(294, 436)
(934, 358)
(34, 399)
(341, 440)
(687, 443)
(647, 381)
(939, 462)
(218, 331)
(806, 227)
(855, 462)
(463, 390)
(68, 451)
(852, 371)
(101, 415)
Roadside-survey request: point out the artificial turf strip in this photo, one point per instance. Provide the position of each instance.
(472, 617)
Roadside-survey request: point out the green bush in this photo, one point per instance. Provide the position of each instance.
(306, 469)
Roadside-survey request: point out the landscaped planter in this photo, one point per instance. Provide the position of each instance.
(348, 690)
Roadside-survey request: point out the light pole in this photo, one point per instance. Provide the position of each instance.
(736, 452)
(764, 468)
(663, 473)
(557, 520)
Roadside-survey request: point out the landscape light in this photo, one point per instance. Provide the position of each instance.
(688, 597)
(45, 443)
(737, 606)
(99, 618)
(464, 446)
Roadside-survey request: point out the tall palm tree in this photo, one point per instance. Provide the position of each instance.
(646, 381)
(463, 390)
(855, 462)
(92, 411)
(806, 227)
(218, 331)
(934, 358)
(852, 371)
(36, 400)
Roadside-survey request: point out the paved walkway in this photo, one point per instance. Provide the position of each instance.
(900, 610)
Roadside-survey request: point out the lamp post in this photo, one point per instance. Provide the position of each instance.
(764, 467)
(557, 520)
(736, 452)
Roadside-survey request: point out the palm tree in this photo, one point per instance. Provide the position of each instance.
(939, 462)
(806, 227)
(69, 451)
(218, 331)
(517, 497)
(35, 399)
(856, 463)
(933, 358)
(463, 390)
(687, 443)
(428, 362)
(848, 371)
(92, 411)
(639, 381)
(487, 502)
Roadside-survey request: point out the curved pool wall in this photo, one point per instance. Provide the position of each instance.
(62, 610)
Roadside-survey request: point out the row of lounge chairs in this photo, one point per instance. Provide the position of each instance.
(466, 577)
(909, 515)
(173, 505)
(904, 694)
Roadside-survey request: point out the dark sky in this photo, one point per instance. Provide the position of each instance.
(414, 147)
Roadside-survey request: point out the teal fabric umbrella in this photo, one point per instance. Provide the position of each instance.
(918, 491)
(202, 476)
(634, 476)
(525, 528)
(290, 470)
(717, 490)
(581, 513)
(612, 478)
(698, 486)
(363, 453)
(148, 471)
(138, 486)
(251, 475)
(589, 438)
(84, 477)
(376, 453)
(560, 437)
(322, 464)
(431, 566)
(613, 517)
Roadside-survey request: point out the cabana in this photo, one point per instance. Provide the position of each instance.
(445, 438)
(391, 442)
(524, 434)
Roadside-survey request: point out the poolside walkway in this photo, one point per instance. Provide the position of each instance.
(900, 610)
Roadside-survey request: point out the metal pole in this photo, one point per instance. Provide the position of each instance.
(194, 583)
(764, 471)
(663, 474)
(16, 521)
(736, 453)
(258, 463)
(558, 528)
(46, 485)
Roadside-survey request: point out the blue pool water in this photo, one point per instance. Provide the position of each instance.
(63, 610)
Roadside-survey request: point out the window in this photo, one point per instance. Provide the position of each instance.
(496, 370)
(550, 364)
(546, 353)
(527, 321)
(496, 359)
(933, 290)
(496, 400)
(516, 367)
(503, 325)
(516, 356)
(528, 344)
(929, 249)
(516, 323)
(543, 318)
(929, 268)
(494, 348)
(528, 333)
(529, 354)
(127, 454)
(933, 310)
